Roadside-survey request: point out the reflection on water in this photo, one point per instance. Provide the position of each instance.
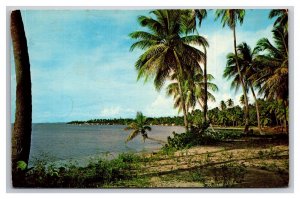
(55, 142)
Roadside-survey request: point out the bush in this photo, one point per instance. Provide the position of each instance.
(200, 135)
(95, 174)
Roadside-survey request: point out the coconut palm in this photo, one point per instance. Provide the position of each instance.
(21, 135)
(167, 51)
(230, 18)
(281, 16)
(246, 57)
(230, 103)
(223, 106)
(138, 127)
(272, 64)
(193, 91)
(193, 16)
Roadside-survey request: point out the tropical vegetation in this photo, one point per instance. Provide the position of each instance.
(174, 56)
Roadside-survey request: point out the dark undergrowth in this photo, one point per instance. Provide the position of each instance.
(96, 174)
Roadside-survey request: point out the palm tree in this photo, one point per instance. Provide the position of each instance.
(223, 106)
(194, 15)
(272, 64)
(246, 58)
(230, 103)
(242, 100)
(21, 136)
(193, 91)
(282, 18)
(230, 18)
(166, 50)
(138, 127)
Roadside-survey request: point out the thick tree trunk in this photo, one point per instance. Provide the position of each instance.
(205, 86)
(246, 129)
(21, 136)
(257, 110)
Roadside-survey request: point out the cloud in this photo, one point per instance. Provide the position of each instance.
(81, 65)
(161, 106)
(116, 111)
(111, 111)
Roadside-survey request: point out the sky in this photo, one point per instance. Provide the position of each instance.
(81, 66)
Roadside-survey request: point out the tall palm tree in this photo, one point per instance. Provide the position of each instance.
(194, 15)
(272, 64)
(230, 18)
(21, 136)
(246, 58)
(167, 50)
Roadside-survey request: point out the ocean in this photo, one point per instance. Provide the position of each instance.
(63, 142)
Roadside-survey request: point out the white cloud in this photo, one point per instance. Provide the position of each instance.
(116, 111)
(111, 111)
(161, 106)
(221, 43)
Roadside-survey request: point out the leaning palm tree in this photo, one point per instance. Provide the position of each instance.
(138, 127)
(167, 50)
(230, 18)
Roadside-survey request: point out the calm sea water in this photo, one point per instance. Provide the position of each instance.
(60, 142)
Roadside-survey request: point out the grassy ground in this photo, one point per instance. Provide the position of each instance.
(250, 162)
(246, 162)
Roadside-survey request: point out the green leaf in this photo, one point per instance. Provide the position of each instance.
(21, 165)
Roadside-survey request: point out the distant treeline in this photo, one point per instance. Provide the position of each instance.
(272, 113)
(176, 120)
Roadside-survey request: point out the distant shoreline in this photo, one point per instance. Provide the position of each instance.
(108, 124)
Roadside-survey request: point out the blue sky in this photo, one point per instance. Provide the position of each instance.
(81, 66)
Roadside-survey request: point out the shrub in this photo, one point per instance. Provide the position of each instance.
(200, 135)
(95, 174)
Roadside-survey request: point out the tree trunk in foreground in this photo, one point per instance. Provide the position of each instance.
(21, 135)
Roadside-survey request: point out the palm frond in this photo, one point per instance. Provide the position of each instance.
(132, 135)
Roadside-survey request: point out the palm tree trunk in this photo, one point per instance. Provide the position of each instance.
(156, 140)
(246, 129)
(285, 116)
(21, 136)
(183, 105)
(257, 110)
(205, 86)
